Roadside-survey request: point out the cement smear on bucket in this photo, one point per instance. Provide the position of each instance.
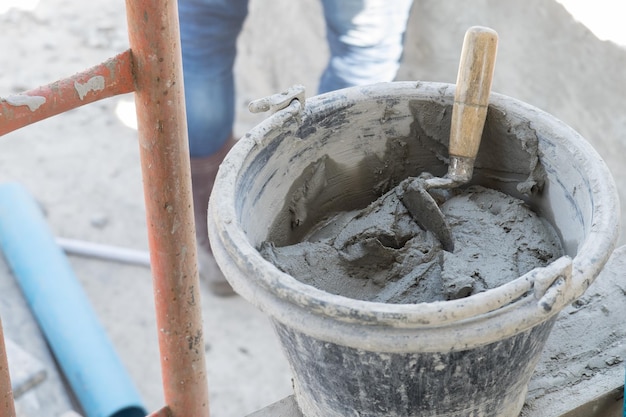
(380, 254)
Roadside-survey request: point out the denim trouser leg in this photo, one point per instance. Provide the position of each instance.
(209, 30)
(365, 39)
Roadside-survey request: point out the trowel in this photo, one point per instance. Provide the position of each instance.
(469, 111)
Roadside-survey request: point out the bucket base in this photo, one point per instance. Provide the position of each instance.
(452, 384)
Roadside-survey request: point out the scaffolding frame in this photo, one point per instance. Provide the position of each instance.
(152, 69)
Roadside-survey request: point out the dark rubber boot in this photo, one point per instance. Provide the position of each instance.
(203, 173)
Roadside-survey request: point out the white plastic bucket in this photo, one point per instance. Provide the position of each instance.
(466, 357)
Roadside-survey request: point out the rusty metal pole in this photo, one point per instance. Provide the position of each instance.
(7, 406)
(164, 151)
(104, 80)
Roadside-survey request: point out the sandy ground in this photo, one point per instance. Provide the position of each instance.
(83, 166)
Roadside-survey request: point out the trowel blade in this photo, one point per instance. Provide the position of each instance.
(425, 211)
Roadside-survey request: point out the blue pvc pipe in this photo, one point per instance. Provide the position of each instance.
(60, 305)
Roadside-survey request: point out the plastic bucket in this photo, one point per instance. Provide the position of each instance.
(467, 357)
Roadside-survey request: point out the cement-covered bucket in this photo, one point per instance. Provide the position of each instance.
(467, 357)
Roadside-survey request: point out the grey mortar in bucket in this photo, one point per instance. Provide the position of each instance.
(471, 356)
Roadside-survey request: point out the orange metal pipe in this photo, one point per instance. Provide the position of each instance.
(164, 152)
(7, 407)
(107, 79)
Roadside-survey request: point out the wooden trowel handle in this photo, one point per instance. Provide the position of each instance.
(471, 99)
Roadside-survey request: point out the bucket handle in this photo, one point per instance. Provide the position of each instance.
(553, 288)
(550, 286)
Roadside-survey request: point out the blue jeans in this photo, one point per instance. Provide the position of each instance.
(365, 38)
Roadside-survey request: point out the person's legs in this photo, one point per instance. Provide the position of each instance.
(209, 30)
(366, 40)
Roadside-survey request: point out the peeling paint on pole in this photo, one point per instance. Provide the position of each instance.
(110, 78)
(33, 102)
(93, 84)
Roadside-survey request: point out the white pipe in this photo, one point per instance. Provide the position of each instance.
(102, 251)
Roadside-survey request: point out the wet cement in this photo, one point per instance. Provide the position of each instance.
(380, 253)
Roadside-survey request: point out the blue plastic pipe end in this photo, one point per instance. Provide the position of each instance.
(131, 412)
(62, 309)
